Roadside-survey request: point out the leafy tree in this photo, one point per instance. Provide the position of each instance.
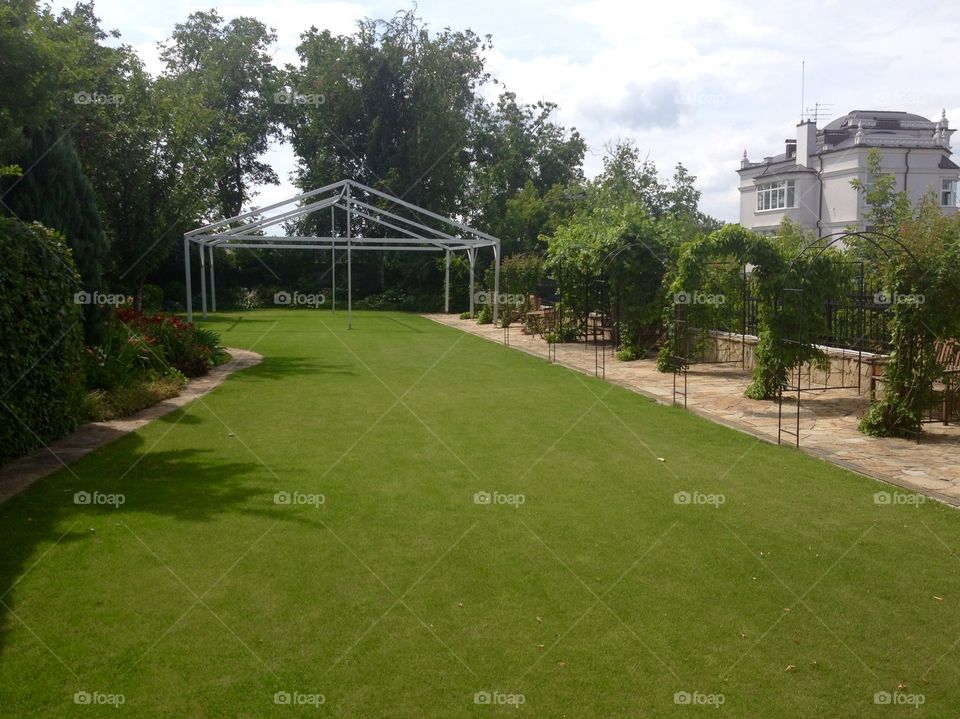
(530, 215)
(29, 78)
(683, 200)
(624, 245)
(56, 193)
(791, 238)
(523, 163)
(626, 228)
(122, 126)
(520, 274)
(153, 190)
(391, 106)
(223, 88)
(626, 177)
(886, 208)
(149, 181)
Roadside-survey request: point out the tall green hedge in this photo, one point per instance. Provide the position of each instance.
(41, 331)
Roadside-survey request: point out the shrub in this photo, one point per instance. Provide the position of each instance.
(520, 274)
(151, 298)
(399, 300)
(174, 293)
(103, 405)
(171, 341)
(465, 315)
(485, 315)
(392, 299)
(41, 341)
(247, 299)
(566, 333)
(628, 353)
(120, 358)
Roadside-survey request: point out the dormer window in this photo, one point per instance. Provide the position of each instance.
(778, 195)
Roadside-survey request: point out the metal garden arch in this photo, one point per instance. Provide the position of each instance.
(851, 330)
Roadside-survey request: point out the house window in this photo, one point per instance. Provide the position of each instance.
(776, 195)
(948, 192)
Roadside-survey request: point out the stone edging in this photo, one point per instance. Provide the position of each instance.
(21, 473)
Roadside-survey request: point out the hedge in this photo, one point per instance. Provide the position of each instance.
(41, 338)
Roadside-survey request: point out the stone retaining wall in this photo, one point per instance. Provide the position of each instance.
(726, 347)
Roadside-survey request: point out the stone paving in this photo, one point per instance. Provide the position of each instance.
(828, 418)
(21, 473)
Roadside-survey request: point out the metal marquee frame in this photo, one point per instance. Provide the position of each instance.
(415, 229)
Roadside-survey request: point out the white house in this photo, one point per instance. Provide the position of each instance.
(810, 181)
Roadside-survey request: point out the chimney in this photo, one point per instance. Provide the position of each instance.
(806, 142)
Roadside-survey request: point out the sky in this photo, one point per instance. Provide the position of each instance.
(694, 82)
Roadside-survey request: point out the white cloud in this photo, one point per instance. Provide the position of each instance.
(735, 67)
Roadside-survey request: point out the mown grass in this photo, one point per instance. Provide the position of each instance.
(399, 596)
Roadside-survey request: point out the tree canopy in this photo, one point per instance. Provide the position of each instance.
(394, 104)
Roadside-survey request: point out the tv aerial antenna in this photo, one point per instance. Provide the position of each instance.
(818, 111)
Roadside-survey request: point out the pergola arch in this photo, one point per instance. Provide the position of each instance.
(411, 229)
(855, 302)
(758, 264)
(870, 236)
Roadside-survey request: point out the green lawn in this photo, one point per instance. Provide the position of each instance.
(594, 594)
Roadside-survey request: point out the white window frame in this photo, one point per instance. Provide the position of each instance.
(948, 192)
(776, 195)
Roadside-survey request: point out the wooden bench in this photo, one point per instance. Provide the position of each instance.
(948, 357)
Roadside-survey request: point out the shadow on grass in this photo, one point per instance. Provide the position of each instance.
(285, 367)
(187, 485)
(227, 321)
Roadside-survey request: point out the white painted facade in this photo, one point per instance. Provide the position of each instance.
(810, 181)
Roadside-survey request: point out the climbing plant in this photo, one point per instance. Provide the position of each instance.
(919, 268)
(922, 285)
(819, 275)
(520, 274)
(623, 245)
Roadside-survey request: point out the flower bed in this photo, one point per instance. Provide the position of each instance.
(144, 358)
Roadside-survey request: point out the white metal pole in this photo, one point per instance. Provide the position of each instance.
(472, 256)
(213, 285)
(186, 270)
(333, 259)
(446, 285)
(496, 282)
(349, 267)
(203, 279)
